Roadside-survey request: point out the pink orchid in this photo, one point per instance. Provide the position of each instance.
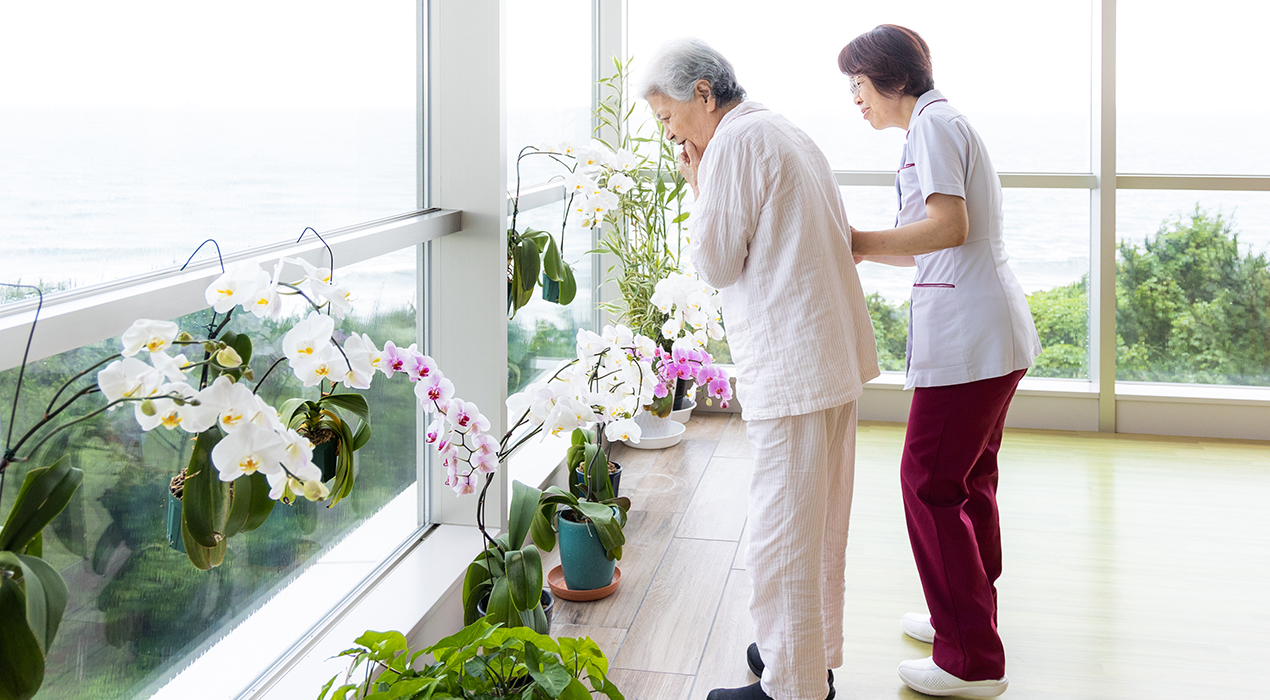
(422, 367)
(395, 359)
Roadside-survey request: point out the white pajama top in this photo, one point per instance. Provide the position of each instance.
(769, 230)
(969, 319)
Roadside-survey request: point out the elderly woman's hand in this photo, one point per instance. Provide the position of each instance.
(689, 159)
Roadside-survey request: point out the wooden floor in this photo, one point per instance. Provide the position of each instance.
(1134, 568)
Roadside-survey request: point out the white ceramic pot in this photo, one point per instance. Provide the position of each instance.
(683, 414)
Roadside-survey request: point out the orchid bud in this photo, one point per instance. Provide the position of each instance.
(228, 357)
(249, 374)
(184, 337)
(147, 407)
(315, 490)
(209, 347)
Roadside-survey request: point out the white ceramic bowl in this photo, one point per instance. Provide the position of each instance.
(683, 414)
(660, 443)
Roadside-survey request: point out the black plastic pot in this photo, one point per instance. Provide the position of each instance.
(325, 456)
(681, 392)
(615, 477)
(548, 602)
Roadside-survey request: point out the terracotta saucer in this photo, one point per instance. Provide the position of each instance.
(555, 579)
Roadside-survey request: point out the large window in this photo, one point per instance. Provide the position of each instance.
(131, 132)
(129, 135)
(789, 63)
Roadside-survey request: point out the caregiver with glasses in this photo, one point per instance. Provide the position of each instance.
(970, 341)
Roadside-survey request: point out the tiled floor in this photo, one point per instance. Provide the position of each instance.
(1135, 568)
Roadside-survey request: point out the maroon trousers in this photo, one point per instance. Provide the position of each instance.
(949, 477)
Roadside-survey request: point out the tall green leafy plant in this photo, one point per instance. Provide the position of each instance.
(646, 241)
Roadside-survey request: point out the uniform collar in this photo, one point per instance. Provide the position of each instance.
(927, 99)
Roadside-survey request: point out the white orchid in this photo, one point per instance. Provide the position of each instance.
(236, 286)
(128, 378)
(595, 157)
(579, 183)
(326, 364)
(172, 368)
(308, 337)
(267, 301)
(247, 451)
(145, 334)
(601, 203)
(297, 451)
(364, 358)
(624, 429)
(620, 183)
(624, 161)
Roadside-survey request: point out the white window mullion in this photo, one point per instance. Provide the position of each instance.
(1102, 214)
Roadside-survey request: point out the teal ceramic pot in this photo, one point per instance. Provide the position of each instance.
(582, 556)
(175, 541)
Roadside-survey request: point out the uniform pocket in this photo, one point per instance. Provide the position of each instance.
(938, 338)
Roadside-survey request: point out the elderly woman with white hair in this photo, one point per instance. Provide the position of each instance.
(770, 231)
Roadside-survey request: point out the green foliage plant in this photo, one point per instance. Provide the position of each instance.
(482, 661)
(646, 239)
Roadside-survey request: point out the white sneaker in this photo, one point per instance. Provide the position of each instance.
(924, 676)
(917, 626)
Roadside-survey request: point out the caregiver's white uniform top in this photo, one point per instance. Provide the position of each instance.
(969, 318)
(769, 230)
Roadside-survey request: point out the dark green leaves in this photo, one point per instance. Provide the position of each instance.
(44, 493)
(524, 577)
(527, 264)
(353, 403)
(250, 504)
(551, 262)
(524, 501)
(21, 661)
(568, 286)
(205, 503)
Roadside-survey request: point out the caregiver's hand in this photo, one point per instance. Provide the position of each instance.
(689, 160)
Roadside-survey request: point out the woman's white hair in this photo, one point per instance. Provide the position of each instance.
(677, 66)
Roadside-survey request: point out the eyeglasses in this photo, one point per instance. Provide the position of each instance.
(855, 86)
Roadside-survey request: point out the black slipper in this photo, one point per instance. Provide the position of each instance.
(755, 662)
(753, 691)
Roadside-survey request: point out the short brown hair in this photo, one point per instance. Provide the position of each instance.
(895, 59)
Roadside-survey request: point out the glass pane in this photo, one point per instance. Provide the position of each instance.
(548, 80)
(543, 332)
(788, 61)
(139, 612)
(1190, 111)
(1193, 287)
(133, 129)
(1048, 243)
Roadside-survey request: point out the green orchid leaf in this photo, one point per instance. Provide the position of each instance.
(606, 526)
(520, 580)
(551, 262)
(568, 286)
(250, 504)
(353, 403)
(293, 412)
(501, 609)
(362, 437)
(261, 504)
(476, 583)
(203, 558)
(35, 547)
(21, 661)
(527, 264)
(535, 619)
(46, 598)
(544, 536)
(45, 492)
(524, 502)
(205, 502)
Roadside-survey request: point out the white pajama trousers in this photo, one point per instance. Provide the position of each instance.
(800, 507)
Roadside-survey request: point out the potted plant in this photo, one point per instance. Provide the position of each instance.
(244, 458)
(482, 660)
(603, 386)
